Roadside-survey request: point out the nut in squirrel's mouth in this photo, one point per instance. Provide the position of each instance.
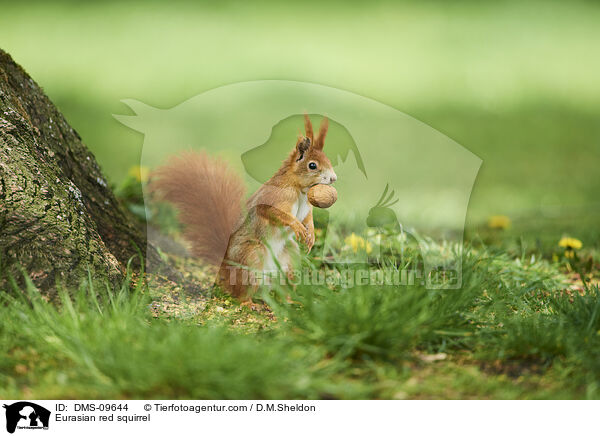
(305, 190)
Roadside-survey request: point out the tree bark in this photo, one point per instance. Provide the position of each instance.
(58, 217)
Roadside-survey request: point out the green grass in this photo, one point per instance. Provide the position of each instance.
(379, 322)
(512, 331)
(110, 346)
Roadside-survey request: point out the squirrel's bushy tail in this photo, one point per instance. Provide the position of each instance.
(208, 196)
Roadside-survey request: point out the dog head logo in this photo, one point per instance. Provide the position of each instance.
(426, 178)
(26, 415)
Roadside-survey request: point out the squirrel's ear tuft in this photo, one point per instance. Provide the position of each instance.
(320, 141)
(308, 127)
(302, 147)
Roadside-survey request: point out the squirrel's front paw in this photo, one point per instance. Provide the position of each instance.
(301, 233)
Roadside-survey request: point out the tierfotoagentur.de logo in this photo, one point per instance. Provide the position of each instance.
(24, 415)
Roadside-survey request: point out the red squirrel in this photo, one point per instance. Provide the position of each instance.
(209, 195)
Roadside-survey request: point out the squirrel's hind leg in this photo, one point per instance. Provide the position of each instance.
(240, 275)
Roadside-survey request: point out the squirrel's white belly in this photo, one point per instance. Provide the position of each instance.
(276, 244)
(275, 247)
(301, 207)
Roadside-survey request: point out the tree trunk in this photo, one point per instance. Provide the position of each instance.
(58, 218)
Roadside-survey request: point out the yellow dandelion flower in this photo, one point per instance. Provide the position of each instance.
(499, 222)
(354, 241)
(570, 243)
(140, 173)
(368, 247)
(357, 243)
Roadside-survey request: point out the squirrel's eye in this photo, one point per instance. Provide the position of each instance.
(312, 166)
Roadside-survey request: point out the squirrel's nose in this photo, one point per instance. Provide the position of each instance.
(332, 178)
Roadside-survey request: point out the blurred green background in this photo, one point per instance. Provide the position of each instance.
(514, 82)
